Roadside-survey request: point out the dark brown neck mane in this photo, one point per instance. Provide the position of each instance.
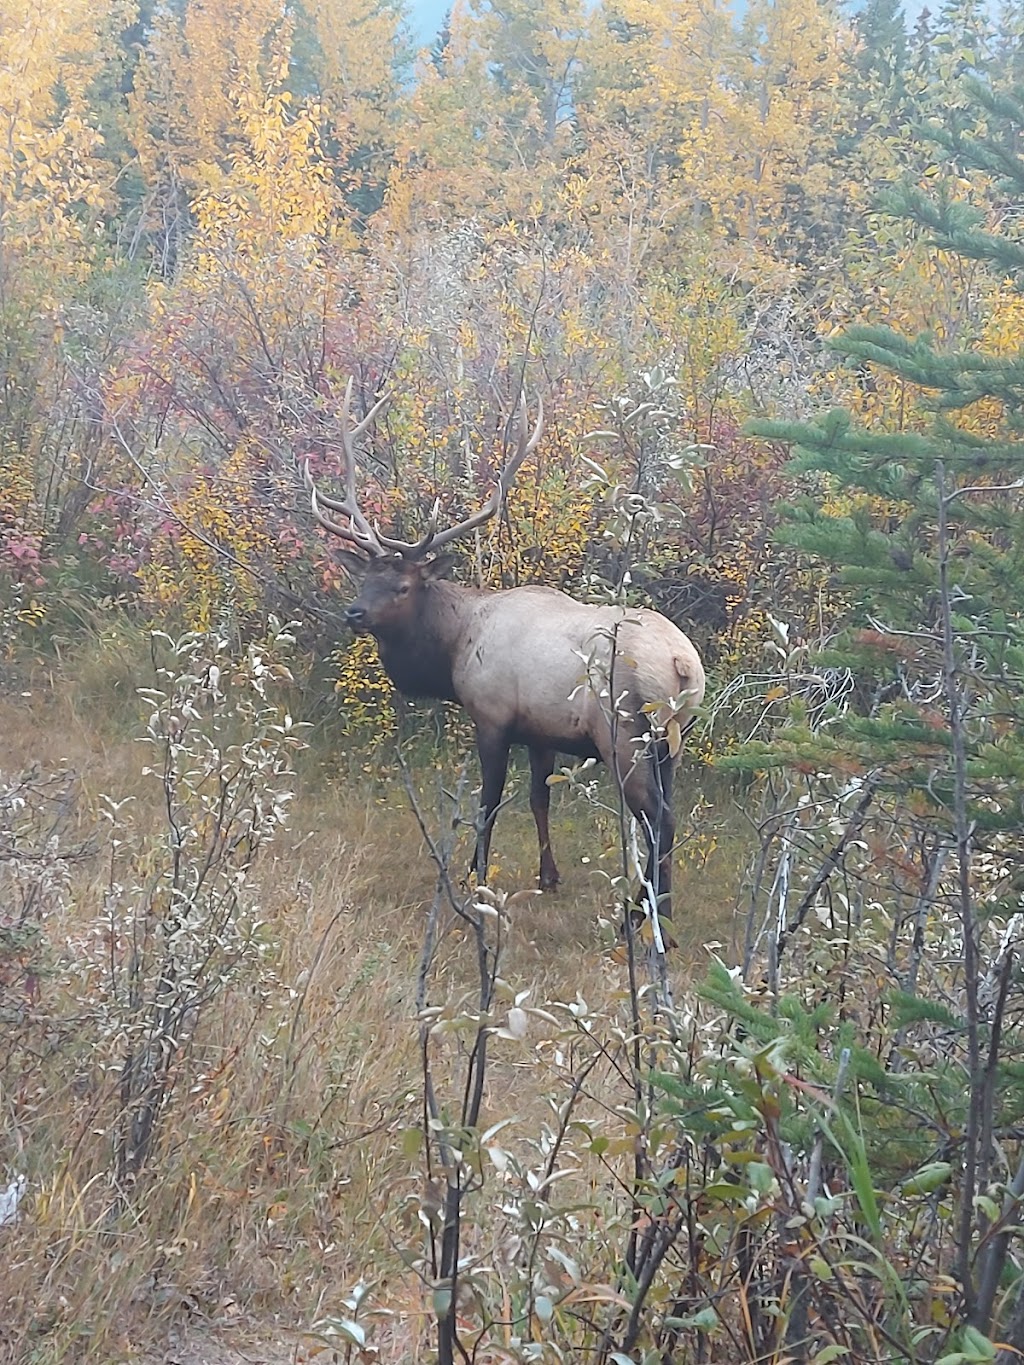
(418, 657)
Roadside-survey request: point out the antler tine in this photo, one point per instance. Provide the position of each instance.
(409, 549)
(526, 445)
(381, 403)
(368, 543)
(349, 434)
(359, 532)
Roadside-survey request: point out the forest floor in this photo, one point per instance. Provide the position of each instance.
(258, 1248)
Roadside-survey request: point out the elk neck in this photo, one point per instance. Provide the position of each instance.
(418, 654)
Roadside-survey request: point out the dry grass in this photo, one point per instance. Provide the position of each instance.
(280, 1175)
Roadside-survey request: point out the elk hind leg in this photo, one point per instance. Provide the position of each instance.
(646, 778)
(542, 765)
(664, 768)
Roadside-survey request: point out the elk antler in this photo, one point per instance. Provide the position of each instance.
(526, 444)
(368, 538)
(358, 532)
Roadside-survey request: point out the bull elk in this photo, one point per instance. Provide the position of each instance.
(530, 665)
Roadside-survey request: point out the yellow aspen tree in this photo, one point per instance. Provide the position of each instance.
(226, 87)
(651, 73)
(729, 115)
(658, 64)
(786, 80)
(51, 175)
(443, 166)
(200, 61)
(490, 122)
(346, 56)
(54, 187)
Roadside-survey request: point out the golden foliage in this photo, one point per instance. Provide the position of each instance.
(202, 67)
(51, 178)
(364, 690)
(203, 567)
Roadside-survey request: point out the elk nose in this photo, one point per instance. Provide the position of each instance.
(355, 615)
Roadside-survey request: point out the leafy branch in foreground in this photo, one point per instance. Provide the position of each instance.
(180, 922)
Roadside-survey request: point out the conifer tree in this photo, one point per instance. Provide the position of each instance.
(921, 517)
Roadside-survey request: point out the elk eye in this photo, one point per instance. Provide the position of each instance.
(403, 589)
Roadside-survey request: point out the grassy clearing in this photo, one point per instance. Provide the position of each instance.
(280, 1176)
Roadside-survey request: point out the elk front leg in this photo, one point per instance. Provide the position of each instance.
(493, 751)
(542, 765)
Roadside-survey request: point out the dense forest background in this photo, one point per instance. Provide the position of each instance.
(273, 1079)
(213, 214)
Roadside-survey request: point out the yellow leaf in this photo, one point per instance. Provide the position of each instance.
(674, 735)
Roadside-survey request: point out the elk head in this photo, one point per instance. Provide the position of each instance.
(394, 574)
(391, 591)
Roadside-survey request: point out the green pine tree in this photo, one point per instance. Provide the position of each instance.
(921, 519)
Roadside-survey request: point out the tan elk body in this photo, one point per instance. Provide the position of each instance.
(531, 665)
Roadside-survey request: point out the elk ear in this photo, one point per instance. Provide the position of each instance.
(438, 566)
(352, 563)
